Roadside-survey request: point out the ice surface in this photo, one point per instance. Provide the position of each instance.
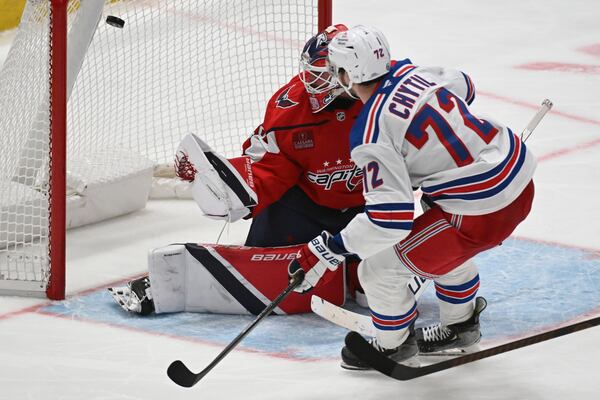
(85, 348)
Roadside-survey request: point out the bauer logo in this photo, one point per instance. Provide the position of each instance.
(274, 257)
(171, 254)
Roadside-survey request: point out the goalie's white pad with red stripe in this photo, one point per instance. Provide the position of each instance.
(230, 279)
(219, 189)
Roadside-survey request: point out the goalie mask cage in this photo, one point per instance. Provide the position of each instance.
(84, 125)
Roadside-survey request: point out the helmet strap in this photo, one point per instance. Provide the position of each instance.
(347, 89)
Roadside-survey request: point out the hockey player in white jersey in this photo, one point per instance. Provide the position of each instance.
(416, 131)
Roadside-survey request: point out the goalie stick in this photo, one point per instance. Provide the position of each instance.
(362, 323)
(181, 374)
(352, 320)
(362, 349)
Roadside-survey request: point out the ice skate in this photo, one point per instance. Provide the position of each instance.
(402, 354)
(452, 339)
(136, 297)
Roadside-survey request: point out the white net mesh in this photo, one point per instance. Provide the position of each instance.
(174, 67)
(24, 116)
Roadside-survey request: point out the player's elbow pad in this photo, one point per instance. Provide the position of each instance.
(221, 191)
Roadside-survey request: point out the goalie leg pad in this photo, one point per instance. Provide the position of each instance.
(167, 271)
(230, 279)
(218, 187)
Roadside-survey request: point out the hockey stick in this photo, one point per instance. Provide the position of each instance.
(546, 106)
(181, 375)
(359, 346)
(352, 320)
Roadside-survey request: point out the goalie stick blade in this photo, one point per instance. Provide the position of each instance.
(345, 318)
(354, 321)
(181, 375)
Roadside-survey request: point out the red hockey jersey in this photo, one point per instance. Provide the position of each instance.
(296, 146)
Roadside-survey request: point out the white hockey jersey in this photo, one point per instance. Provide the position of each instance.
(416, 131)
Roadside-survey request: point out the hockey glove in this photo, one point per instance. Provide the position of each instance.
(315, 258)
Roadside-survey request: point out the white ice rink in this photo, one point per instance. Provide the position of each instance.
(518, 53)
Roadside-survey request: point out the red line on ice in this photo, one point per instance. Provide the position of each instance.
(556, 153)
(566, 151)
(593, 50)
(44, 303)
(536, 107)
(561, 67)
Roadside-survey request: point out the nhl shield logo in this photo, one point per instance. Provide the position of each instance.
(340, 116)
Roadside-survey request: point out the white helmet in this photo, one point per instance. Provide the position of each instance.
(362, 51)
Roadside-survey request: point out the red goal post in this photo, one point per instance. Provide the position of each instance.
(120, 98)
(55, 288)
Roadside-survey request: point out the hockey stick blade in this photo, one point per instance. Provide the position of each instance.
(183, 376)
(367, 353)
(362, 349)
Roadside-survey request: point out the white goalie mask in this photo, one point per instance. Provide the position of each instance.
(363, 52)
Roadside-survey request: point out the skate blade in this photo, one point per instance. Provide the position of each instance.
(354, 368)
(411, 362)
(452, 352)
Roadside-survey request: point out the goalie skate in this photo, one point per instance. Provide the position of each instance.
(136, 297)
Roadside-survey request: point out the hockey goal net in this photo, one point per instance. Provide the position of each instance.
(138, 75)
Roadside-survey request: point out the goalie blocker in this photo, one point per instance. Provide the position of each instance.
(230, 279)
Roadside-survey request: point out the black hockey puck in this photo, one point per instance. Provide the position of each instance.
(115, 21)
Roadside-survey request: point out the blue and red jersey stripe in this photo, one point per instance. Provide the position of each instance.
(391, 215)
(458, 294)
(403, 69)
(470, 89)
(483, 185)
(394, 322)
(370, 132)
(366, 127)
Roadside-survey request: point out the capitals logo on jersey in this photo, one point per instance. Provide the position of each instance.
(350, 174)
(283, 101)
